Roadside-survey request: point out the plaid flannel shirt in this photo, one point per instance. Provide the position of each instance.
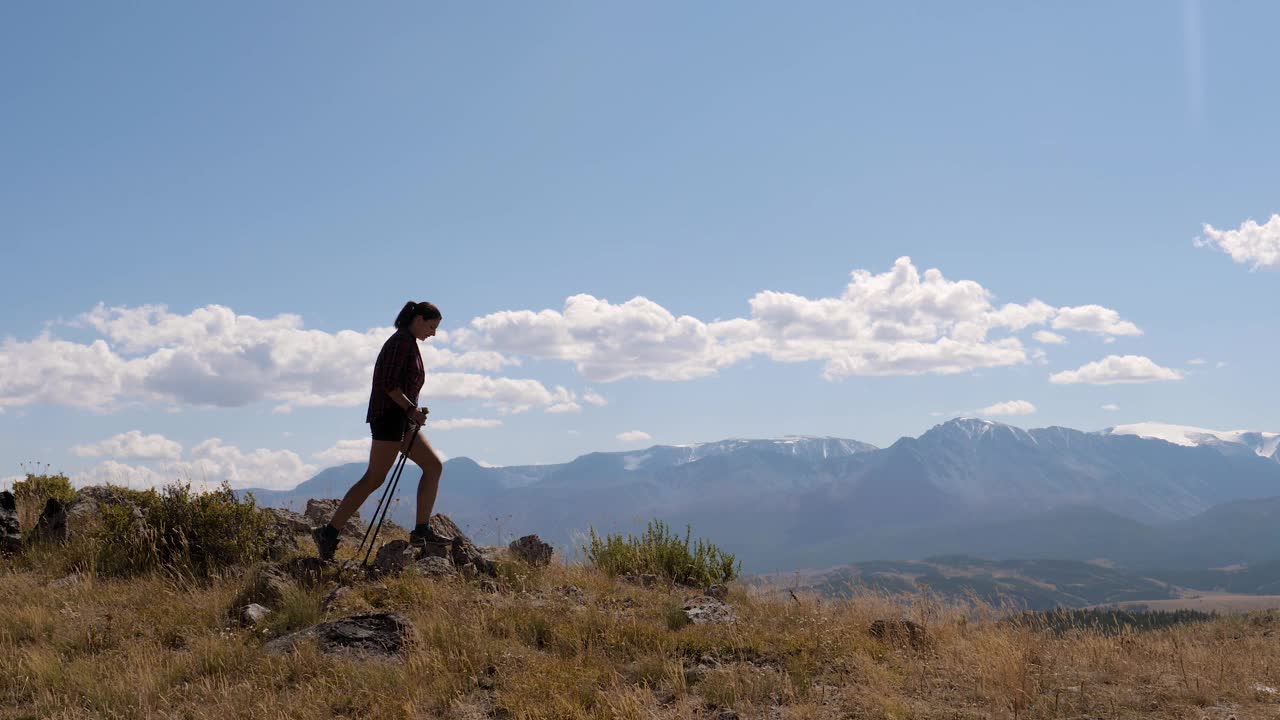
(399, 365)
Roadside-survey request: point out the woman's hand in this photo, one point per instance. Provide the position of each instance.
(418, 416)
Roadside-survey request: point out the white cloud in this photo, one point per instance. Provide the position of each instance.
(209, 464)
(591, 397)
(1012, 407)
(132, 445)
(1111, 406)
(345, 451)
(1094, 319)
(1048, 338)
(1250, 243)
(634, 436)
(895, 323)
(1116, 369)
(1221, 364)
(565, 407)
(213, 356)
(6, 483)
(1197, 361)
(459, 423)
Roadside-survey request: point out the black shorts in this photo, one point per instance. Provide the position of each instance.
(390, 425)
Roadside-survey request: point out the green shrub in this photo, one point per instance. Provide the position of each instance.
(31, 493)
(662, 553)
(180, 531)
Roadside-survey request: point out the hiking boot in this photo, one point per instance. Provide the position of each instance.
(326, 537)
(427, 537)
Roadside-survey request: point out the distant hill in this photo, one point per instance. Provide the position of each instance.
(966, 486)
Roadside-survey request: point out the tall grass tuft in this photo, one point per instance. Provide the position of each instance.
(662, 553)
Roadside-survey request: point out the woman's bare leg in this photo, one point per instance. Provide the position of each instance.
(382, 455)
(425, 457)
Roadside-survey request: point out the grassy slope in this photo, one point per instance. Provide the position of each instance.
(152, 648)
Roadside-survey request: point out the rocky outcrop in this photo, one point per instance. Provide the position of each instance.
(705, 610)
(320, 511)
(10, 530)
(532, 550)
(462, 551)
(374, 634)
(393, 557)
(84, 513)
(52, 523)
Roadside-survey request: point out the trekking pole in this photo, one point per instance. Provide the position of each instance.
(395, 480)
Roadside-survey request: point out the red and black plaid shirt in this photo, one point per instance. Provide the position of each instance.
(399, 365)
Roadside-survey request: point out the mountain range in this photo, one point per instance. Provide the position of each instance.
(1144, 495)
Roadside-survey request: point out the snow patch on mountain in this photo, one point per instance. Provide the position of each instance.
(1265, 444)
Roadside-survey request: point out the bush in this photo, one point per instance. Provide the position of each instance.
(31, 493)
(179, 531)
(662, 553)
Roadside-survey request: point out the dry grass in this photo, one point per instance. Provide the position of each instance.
(155, 647)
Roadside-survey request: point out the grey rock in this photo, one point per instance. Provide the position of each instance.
(435, 566)
(253, 614)
(393, 557)
(266, 587)
(10, 531)
(336, 596)
(704, 610)
(375, 634)
(52, 524)
(718, 591)
(462, 550)
(532, 550)
(84, 513)
(320, 511)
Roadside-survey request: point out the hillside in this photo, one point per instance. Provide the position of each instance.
(432, 640)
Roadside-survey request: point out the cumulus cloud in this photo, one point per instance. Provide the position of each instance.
(460, 423)
(213, 356)
(1111, 406)
(1094, 319)
(1012, 407)
(345, 451)
(1048, 338)
(206, 466)
(1115, 369)
(1257, 245)
(898, 322)
(1197, 361)
(634, 436)
(132, 445)
(6, 483)
(591, 397)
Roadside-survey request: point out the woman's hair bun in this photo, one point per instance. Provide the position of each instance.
(412, 308)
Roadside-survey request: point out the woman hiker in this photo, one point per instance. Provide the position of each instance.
(397, 377)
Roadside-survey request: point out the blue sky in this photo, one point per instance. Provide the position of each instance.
(635, 219)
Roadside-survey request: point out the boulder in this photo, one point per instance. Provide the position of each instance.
(51, 526)
(393, 557)
(376, 634)
(718, 591)
(85, 512)
(10, 530)
(532, 550)
(435, 566)
(706, 610)
(320, 511)
(462, 550)
(253, 614)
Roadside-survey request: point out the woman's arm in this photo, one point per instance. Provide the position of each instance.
(398, 397)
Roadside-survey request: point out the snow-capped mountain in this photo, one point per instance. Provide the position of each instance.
(1265, 444)
(966, 485)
